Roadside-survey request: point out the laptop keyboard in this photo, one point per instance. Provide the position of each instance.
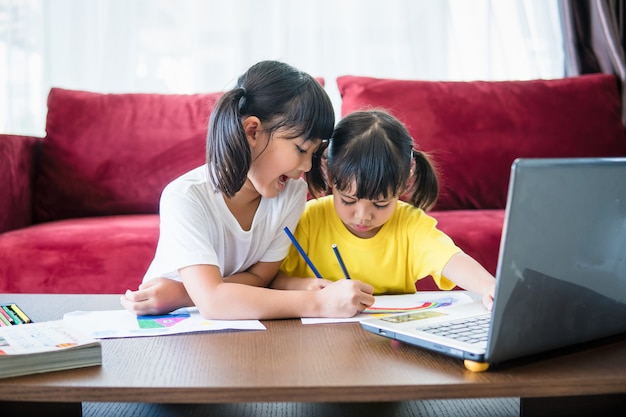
(470, 330)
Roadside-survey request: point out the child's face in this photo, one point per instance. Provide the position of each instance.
(363, 218)
(279, 159)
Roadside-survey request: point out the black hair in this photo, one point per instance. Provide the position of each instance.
(375, 151)
(281, 97)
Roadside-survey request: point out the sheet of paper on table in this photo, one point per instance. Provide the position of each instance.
(110, 324)
(401, 303)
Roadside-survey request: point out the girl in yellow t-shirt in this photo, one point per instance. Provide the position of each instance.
(384, 241)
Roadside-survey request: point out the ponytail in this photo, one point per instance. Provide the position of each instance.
(227, 151)
(424, 182)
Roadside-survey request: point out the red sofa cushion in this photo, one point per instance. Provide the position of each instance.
(478, 232)
(474, 130)
(97, 255)
(108, 154)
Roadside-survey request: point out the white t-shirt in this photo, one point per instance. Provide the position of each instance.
(197, 228)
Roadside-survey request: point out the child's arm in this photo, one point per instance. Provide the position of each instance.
(217, 299)
(468, 274)
(162, 295)
(286, 282)
(258, 275)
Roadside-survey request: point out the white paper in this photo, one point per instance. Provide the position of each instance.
(110, 324)
(401, 303)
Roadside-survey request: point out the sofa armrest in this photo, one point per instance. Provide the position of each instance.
(17, 169)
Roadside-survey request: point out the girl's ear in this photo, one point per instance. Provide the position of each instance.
(252, 126)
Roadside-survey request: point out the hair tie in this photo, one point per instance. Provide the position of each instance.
(243, 93)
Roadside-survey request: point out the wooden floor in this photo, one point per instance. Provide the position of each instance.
(497, 407)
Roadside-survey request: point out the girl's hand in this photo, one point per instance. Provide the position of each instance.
(344, 298)
(488, 297)
(157, 296)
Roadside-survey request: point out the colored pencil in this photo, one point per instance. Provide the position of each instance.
(304, 255)
(341, 263)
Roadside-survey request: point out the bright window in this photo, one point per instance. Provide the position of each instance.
(189, 46)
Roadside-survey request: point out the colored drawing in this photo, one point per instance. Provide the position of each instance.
(444, 302)
(165, 320)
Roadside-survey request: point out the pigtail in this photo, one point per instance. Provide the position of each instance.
(228, 152)
(425, 185)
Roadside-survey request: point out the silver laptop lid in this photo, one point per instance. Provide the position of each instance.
(562, 265)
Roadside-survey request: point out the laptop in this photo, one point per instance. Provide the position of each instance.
(561, 274)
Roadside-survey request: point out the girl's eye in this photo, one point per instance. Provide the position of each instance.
(381, 206)
(301, 150)
(347, 203)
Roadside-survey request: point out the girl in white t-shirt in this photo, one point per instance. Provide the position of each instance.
(221, 235)
(385, 242)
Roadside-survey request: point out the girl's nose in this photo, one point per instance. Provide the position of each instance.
(306, 163)
(362, 212)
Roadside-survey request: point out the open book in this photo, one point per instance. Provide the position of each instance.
(44, 347)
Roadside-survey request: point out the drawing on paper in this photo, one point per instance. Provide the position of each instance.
(165, 320)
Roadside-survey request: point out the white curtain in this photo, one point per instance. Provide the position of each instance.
(188, 46)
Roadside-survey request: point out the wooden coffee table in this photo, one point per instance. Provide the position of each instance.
(291, 362)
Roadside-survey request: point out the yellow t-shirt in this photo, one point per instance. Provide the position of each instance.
(407, 248)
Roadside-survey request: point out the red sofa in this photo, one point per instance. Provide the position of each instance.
(79, 207)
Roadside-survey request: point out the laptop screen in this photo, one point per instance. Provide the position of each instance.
(562, 267)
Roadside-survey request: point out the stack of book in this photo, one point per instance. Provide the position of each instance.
(29, 348)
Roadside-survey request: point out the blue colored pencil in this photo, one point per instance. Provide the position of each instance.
(340, 259)
(304, 255)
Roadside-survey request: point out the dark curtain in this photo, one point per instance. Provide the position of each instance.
(594, 41)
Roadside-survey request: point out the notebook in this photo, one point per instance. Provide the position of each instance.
(561, 274)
